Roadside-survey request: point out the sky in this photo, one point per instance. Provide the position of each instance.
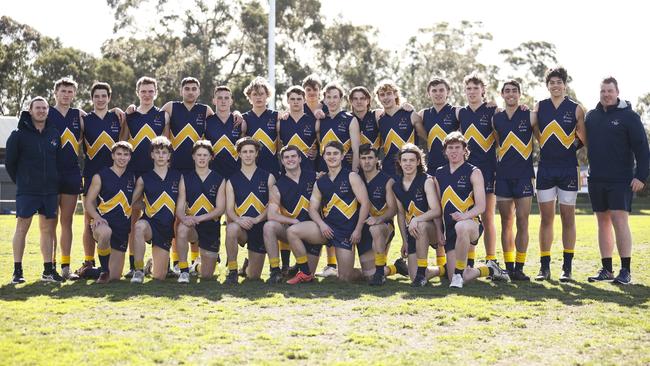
(593, 39)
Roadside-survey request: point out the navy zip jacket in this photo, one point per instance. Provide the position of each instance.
(31, 157)
(616, 139)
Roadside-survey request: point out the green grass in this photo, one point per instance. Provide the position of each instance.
(330, 322)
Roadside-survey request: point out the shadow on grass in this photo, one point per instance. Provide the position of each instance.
(575, 293)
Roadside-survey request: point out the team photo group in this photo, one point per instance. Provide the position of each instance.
(327, 174)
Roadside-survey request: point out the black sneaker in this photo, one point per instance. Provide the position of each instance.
(242, 270)
(231, 279)
(543, 275)
(519, 275)
(285, 271)
(18, 278)
(603, 275)
(401, 267)
(419, 281)
(129, 274)
(377, 279)
(275, 278)
(53, 277)
(566, 276)
(624, 277)
(292, 271)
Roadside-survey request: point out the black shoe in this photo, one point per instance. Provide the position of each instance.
(242, 270)
(231, 279)
(292, 271)
(603, 275)
(130, 273)
(419, 281)
(377, 279)
(401, 267)
(53, 276)
(285, 271)
(18, 278)
(624, 277)
(275, 278)
(519, 275)
(566, 276)
(543, 275)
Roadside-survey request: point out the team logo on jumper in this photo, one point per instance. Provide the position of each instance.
(308, 131)
(75, 122)
(213, 190)
(270, 124)
(462, 182)
(344, 187)
(419, 194)
(568, 117)
(447, 120)
(378, 193)
(54, 142)
(200, 120)
(523, 125)
(175, 186)
(615, 122)
(403, 124)
(130, 184)
(262, 187)
(157, 121)
(343, 126)
(484, 120)
(310, 188)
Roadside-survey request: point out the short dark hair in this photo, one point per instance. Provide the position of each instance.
(511, 82)
(296, 89)
(122, 145)
(161, 142)
(290, 148)
(190, 80)
(363, 90)
(219, 88)
(146, 80)
(202, 144)
(335, 144)
(410, 148)
(334, 86)
(474, 78)
(610, 80)
(312, 81)
(65, 81)
(437, 81)
(557, 72)
(37, 99)
(247, 140)
(365, 149)
(99, 85)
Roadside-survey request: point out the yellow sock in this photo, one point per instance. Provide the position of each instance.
(232, 265)
(139, 265)
(471, 255)
(174, 256)
(331, 260)
(565, 251)
(509, 256)
(274, 262)
(391, 270)
(301, 260)
(443, 271)
(194, 255)
(461, 264)
(521, 257)
(380, 259)
(485, 271)
(441, 260)
(89, 258)
(284, 246)
(104, 252)
(183, 265)
(423, 262)
(490, 257)
(65, 259)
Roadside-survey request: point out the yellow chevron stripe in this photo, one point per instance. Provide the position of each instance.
(187, 132)
(265, 140)
(436, 132)
(201, 203)
(450, 196)
(163, 201)
(413, 211)
(303, 204)
(374, 212)
(103, 140)
(513, 142)
(146, 132)
(554, 129)
(331, 136)
(347, 210)
(375, 144)
(117, 200)
(67, 137)
(225, 143)
(394, 139)
(485, 143)
(296, 141)
(253, 201)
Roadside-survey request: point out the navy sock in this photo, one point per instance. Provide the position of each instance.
(285, 255)
(607, 264)
(47, 267)
(625, 263)
(18, 266)
(131, 262)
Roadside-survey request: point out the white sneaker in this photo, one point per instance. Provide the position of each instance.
(68, 275)
(177, 270)
(194, 268)
(184, 277)
(498, 274)
(457, 281)
(148, 267)
(328, 271)
(138, 277)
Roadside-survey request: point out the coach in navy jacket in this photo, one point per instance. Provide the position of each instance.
(615, 138)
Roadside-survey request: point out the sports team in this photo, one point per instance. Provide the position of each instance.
(318, 176)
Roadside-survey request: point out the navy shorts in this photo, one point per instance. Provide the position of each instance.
(161, 234)
(343, 242)
(255, 238)
(514, 188)
(27, 205)
(209, 233)
(120, 234)
(410, 243)
(70, 182)
(450, 237)
(314, 249)
(565, 179)
(489, 175)
(610, 196)
(366, 236)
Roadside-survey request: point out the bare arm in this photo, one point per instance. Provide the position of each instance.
(479, 198)
(391, 207)
(90, 203)
(438, 220)
(166, 128)
(355, 140)
(359, 189)
(273, 211)
(417, 122)
(580, 125)
(138, 190)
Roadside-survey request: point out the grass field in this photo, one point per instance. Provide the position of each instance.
(330, 322)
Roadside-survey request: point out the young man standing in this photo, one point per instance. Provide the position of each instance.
(108, 202)
(246, 207)
(262, 124)
(560, 129)
(222, 132)
(201, 202)
(31, 162)
(158, 188)
(299, 129)
(460, 187)
(338, 221)
(616, 140)
(514, 177)
(360, 99)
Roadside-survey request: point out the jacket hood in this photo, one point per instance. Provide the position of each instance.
(25, 121)
(622, 105)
